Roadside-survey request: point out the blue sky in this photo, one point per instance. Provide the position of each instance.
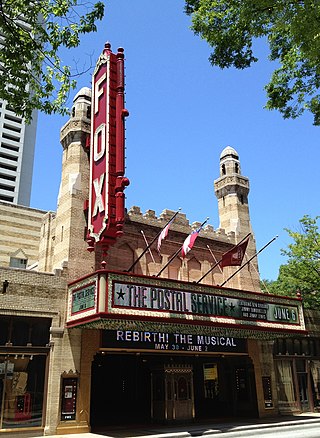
(183, 112)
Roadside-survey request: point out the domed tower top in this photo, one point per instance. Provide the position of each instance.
(84, 92)
(79, 123)
(82, 103)
(229, 162)
(229, 151)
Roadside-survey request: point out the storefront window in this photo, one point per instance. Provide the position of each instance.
(289, 346)
(285, 382)
(21, 390)
(24, 331)
(296, 347)
(315, 375)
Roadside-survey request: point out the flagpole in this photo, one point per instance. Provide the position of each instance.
(255, 255)
(213, 256)
(146, 242)
(153, 240)
(170, 260)
(219, 261)
(177, 252)
(257, 272)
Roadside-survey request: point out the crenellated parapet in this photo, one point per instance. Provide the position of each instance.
(181, 224)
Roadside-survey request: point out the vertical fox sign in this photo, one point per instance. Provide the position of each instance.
(107, 181)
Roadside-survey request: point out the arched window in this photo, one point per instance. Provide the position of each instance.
(174, 269)
(182, 389)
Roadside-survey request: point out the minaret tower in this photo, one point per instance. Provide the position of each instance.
(70, 229)
(232, 190)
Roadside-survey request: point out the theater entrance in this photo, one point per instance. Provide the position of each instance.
(139, 389)
(172, 393)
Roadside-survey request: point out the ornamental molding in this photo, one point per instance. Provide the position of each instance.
(103, 59)
(231, 180)
(120, 324)
(75, 125)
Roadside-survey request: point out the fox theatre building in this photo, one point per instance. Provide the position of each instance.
(165, 351)
(145, 337)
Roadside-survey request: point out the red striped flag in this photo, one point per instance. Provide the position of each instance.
(164, 234)
(235, 255)
(189, 242)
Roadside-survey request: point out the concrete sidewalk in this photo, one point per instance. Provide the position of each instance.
(199, 429)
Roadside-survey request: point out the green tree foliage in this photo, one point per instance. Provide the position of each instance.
(292, 30)
(301, 273)
(32, 75)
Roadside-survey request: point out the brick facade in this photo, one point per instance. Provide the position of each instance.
(19, 233)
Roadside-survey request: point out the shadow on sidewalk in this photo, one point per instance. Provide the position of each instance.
(198, 429)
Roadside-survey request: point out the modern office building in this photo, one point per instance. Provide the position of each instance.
(17, 144)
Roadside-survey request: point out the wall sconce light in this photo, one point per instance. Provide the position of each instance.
(5, 285)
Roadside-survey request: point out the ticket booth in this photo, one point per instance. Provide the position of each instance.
(172, 393)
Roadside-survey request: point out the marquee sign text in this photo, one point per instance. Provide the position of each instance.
(83, 299)
(160, 341)
(170, 300)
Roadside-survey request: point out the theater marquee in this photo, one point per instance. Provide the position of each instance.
(155, 299)
(118, 300)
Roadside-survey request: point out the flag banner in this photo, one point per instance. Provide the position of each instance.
(163, 234)
(189, 242)
(235, 255)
